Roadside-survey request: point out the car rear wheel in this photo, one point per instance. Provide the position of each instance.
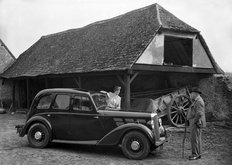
(135, 145)
(38, 136)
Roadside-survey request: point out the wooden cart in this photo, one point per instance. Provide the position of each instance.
(174, 104)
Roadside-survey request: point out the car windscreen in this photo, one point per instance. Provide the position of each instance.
(99, 100)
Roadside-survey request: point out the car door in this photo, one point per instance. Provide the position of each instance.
(59, 115)
(84, 123)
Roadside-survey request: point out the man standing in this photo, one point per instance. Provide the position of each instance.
(197, 121)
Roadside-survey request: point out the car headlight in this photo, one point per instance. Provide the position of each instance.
(153, 119)
(160, 122)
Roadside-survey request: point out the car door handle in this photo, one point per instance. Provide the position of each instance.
(95, 117)
(48, 115)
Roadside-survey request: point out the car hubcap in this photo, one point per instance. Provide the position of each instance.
(38, 135)
(135, 145)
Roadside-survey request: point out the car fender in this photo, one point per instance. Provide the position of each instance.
(115, 136)
(32, 120)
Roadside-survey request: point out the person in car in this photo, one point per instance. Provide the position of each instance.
(114, 100)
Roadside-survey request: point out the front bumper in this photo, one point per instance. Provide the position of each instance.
(162, 138)
(159, 132)
(161, 141)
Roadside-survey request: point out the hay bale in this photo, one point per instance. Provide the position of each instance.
(217, 97)
(143, 105)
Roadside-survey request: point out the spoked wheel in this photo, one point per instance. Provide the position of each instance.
(38, 136)
(135, 145)
(177, 110)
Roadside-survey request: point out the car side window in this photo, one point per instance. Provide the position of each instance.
(62, 101)
(82, 103)
(44, 102)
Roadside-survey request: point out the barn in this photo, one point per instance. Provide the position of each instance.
(6, 60)
(145, 51)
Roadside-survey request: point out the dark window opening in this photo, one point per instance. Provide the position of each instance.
(178, 51)
(82, 103)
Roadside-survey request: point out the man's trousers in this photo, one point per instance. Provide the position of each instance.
(195, 138)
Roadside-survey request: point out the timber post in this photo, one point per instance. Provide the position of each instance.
(127, 86)
(127, 90)
(13, 98)
(28, 93)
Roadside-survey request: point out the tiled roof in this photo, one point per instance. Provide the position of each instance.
(113, 44)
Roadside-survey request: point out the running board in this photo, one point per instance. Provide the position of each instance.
(89, 142)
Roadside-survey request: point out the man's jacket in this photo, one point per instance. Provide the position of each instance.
(196, 114)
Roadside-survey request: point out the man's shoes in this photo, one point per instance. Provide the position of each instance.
(194, 157)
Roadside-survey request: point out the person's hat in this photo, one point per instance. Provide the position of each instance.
(196, 89)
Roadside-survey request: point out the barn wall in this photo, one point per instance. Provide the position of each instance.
(98, 83)
(21, 94)
(6, 93)
(145, 85)
(176, 80)
(148, 82)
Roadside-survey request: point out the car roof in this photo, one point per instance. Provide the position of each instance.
(63, 90)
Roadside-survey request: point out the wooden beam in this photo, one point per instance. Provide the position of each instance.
(161, 68)
(166, 32)
(127, 90)
(19, 101)
(13, 98)
(129, 71)
(121, 80)
(81, 74)
(133, 77)
(78, 81)
(28, 93)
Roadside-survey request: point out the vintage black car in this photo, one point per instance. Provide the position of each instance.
(82, 117)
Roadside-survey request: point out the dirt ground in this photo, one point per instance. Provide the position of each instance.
(217, 148)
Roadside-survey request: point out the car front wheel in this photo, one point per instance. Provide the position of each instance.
(38, 136)
(135, 145)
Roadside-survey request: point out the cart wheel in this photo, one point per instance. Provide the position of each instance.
(38, 136)
(135, 145)
(177, 110)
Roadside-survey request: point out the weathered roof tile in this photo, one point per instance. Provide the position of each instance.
(112, 44)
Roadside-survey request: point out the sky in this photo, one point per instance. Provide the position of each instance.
(23, 22)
